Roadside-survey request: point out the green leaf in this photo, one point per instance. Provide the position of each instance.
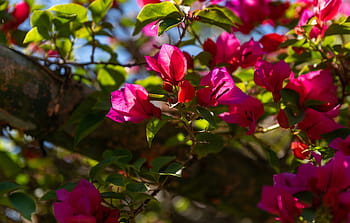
(153, 126)
(95, 170)
(116, 179)
(136, 187)
(290, 99)
(23, 203)
(338, 29)
(99, 9)
(208, 143)
(207, 115)
(119, 196)
(71, 10)
(172, 169)
(111, 77)
(51, 195)
(87, 125)
(168, 23)
(64, 46)
(153, 12)
(160, 161)
(138, 163)
(219, 16)
(341, 133)
(7, 187)
(122, 155)
(33, 36)
(8, 167)
(42, 20)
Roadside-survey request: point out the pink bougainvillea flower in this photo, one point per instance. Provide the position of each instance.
(300, 150)
(345, 8)
(151, 29)
(328, 184)
(315, 86)
(186, 91)
(316, 123)
(251, 13)
(83, 205)
(281, 203)
(171, 64)
(19, 14)
(107, 215)
(225, 51)
(131, 103)
(245, 113)
(271, 76)
(318, 30)
(80, 205)
(342, 145)
(142, 3)
(219, 88)
(250, 53)
(294, 183)
(326, 9)
(277, 11)
(272, 41)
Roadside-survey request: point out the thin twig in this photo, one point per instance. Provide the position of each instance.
(87, 63)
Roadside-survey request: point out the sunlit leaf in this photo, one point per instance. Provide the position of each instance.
(99, 9)
(33, 36)
(153, 126)
(71, 10)
(168, 23)
(219, 16)
(153, 12)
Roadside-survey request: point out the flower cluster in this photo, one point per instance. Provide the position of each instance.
(327, 188)
(83, 204)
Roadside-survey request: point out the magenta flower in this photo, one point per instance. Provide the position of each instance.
(83, 205)
(131, 103)
(142, 3)
(271, 76)
(19, 14)
(245, 113)
(280, 202)
(316, 123)
(219, 88)
(329, 185)
(250, 53)
(294, 183)
(272, 41)
(225, 51)
(251, 13)
(151, 29)
(186, 91)
(80, 205)
(171, 64)
(326, 9)
(318, 30)
(315, 86)
(342, 145)
(300, 150)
